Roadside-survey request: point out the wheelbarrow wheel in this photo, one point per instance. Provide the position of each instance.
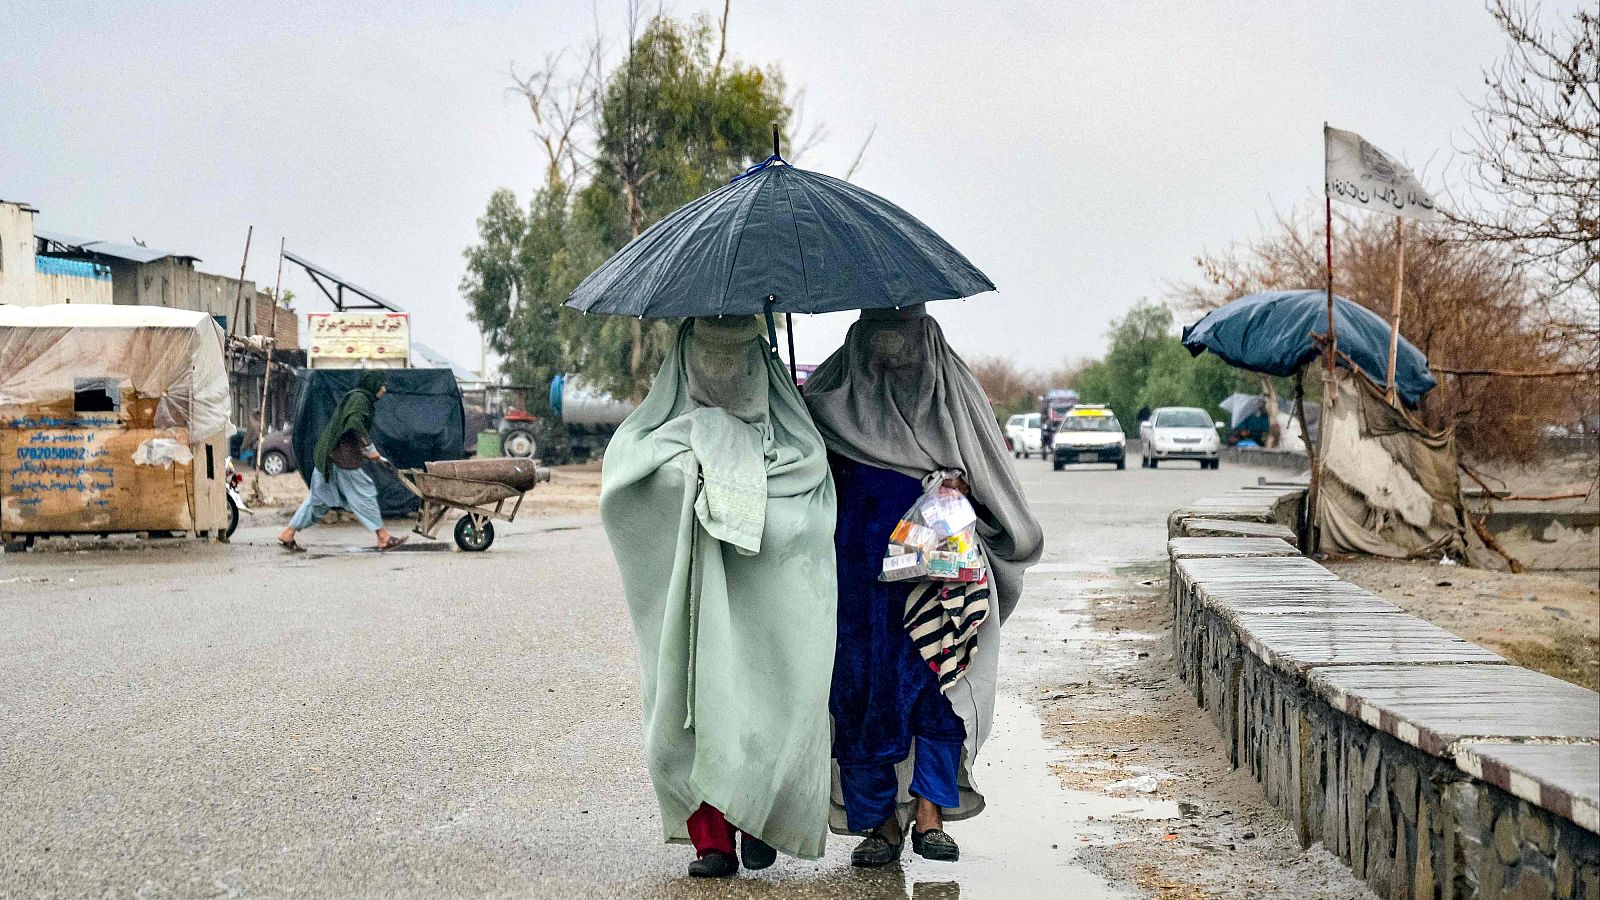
(474, 533)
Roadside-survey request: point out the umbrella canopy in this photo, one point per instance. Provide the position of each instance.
(813, 243)
(1272, 333)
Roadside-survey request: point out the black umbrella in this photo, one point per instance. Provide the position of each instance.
(779, 239)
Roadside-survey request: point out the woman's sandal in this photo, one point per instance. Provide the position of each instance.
(876, 851)
(935, 844)
(755, 853)
(291, 546)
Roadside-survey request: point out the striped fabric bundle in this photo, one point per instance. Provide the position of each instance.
(942, 618)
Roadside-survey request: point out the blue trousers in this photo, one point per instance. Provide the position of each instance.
(350, 489)
(884, 696)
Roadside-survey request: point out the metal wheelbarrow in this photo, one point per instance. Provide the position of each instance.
(443, 486)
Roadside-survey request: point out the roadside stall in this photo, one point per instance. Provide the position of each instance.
(113, 419)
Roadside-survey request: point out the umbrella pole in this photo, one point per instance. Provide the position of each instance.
(788, 326)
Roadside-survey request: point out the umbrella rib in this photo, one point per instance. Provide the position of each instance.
(805, 276)
(738, 238)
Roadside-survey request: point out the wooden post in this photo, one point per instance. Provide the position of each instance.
(266, 376)
(238, 293)
(1394, 310)
(1308, 540)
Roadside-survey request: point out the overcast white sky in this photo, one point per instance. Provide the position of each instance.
(1079, 153)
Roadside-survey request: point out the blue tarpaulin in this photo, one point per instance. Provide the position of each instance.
(1272, 333)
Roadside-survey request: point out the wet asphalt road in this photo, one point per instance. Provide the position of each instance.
(214, 721)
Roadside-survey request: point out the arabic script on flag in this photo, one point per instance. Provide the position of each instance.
(1362, 175)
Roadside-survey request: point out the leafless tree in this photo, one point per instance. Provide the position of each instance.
(564, 104)
(1535, 185)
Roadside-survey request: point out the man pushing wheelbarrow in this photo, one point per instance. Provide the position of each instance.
(339, 478)
(483, 490)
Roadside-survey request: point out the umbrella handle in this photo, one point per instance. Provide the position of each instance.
(772, 326)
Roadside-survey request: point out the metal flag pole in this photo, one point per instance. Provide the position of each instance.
(1327, 232)
(1394, 310)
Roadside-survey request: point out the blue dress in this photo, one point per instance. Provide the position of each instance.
(884, 695)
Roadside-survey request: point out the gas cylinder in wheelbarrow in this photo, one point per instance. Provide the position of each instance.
(479, 488)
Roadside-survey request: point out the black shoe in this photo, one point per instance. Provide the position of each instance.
(756, 853)
(714, 865)
(935, 844)
(876, 852)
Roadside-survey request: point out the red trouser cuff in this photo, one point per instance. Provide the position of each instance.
(710, 832)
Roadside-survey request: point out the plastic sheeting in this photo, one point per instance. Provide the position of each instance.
(419, 420)
(1272, 333)
(162, 368)
(814, 242)
(1387, 486)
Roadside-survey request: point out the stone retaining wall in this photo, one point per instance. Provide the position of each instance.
(1430, 765)
(1261, 457)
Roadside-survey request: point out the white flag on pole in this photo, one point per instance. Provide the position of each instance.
(1362, 175)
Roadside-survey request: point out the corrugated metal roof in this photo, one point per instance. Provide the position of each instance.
(130, 252)
(58, 237)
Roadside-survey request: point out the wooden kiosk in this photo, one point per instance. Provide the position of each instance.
(113, 419)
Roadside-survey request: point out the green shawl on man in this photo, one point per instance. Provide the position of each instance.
(718, 502)
(354, 413)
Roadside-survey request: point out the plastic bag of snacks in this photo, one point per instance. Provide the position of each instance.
(935, 540)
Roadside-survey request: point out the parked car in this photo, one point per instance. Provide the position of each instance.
(1023, 435)
(277, 452)
(1089, 433)
(1180, 432)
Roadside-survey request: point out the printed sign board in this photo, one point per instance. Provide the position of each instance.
(344, 339)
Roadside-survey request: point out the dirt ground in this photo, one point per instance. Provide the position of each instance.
(1546, 622)
(1133, 729)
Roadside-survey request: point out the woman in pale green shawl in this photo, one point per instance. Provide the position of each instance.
(718, 503)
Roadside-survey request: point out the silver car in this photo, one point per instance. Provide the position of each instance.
(1180, 432)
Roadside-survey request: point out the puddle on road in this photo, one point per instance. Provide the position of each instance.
(1033, 828)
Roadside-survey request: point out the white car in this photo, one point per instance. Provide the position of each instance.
(1090, 433)
(1180, 432)
(1024, 435)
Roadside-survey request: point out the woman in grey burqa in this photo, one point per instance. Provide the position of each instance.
(915, 664)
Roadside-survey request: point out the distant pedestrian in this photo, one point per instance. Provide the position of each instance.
(717, 501)
(896, 405)
(339, 478)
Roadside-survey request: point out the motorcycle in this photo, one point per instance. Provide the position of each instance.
(231, 481)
